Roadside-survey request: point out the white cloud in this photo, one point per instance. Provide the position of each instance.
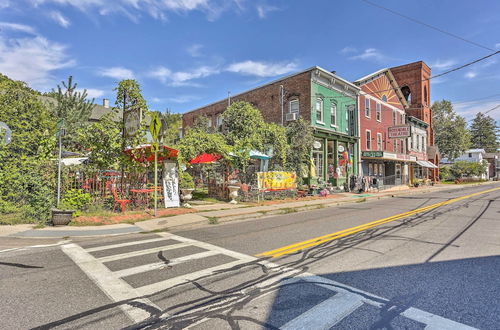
(370, 54)
(262, 69)
(348, 50)
(17, 27)
(157, 9)
(194, 50)
(497, 45)
(470, 74)
(32, 59)
(92, 92)
(117, 72)
(59, 18)
(182, 98)
(263, 10)
(182, 78)
(470, 109)
(443, 64)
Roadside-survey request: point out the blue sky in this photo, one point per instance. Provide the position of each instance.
(188, 53)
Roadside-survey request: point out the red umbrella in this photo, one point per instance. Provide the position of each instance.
(205, 158)
(143, 153)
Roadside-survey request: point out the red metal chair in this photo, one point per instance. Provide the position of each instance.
(122, 202)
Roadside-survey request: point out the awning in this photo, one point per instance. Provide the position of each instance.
(425, 163)
(205, 159)
(254, 154)
(74, 161)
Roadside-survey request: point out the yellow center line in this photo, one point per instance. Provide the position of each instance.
(349, 231)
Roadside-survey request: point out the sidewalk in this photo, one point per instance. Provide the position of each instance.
(215, 213)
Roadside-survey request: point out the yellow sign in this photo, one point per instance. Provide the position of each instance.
(155, 147)
(277, 180)
(155, 125)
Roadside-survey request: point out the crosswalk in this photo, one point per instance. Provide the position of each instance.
(132, 272)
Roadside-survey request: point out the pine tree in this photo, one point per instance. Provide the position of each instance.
(483, 133)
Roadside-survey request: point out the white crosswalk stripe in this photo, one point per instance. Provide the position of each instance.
(326, 314)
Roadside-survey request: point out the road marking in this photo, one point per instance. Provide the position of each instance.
(142, 252)
(159, 265)
(327, 313)
(114, 287)
(107, 247)
(349, 231)
(167, 284)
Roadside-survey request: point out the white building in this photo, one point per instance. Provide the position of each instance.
(471, 155)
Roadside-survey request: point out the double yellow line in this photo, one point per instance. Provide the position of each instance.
(346, 232)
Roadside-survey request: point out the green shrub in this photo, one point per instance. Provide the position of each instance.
(186, 180)
(76, 199)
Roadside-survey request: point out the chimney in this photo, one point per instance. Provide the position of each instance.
(105, 103)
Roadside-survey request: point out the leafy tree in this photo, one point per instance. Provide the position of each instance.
(196, 142)
(274, 137)
(202, 123)
(300, 137)
(27, 177)
(450, 130)
(171, 122)
(483, 133)
(462, 169)
(243, 126)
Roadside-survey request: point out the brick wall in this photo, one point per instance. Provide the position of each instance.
(266, 99)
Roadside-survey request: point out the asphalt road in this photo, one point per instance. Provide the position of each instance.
(435, 266)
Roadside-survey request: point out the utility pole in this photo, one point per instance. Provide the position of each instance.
(123, 141)
(60, 133)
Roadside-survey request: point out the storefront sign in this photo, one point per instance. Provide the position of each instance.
(341, 148)
(372, 154)
(399, 132)
(277, 180)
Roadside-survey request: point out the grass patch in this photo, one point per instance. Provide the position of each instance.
(14, 219)
(288, 210)
(213, 220)
(39, 226)
(263, 212)
(202, 195)
(361, 200)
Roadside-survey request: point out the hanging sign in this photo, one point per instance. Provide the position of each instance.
(399, 132)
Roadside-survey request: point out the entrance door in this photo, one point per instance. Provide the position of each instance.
(398, 174)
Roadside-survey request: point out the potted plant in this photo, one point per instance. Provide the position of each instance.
(186, 184)
(74, 201)
(61, 216)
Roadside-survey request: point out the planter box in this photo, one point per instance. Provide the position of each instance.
(61, 217)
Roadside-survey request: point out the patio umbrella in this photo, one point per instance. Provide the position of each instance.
(144, 153)
(205, 159)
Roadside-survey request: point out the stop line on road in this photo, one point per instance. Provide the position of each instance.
(120, 285)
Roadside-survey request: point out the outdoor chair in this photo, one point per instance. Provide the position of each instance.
(122, 202)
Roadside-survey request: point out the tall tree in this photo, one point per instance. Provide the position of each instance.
(450, 130)
(74, 107)
(171, 122)
(483, 133)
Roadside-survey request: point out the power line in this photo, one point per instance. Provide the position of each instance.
(441, 74)
(426, 25)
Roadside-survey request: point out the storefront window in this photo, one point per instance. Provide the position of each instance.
(330, 159)
(343, 163)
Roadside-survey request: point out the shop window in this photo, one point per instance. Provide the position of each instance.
(379, 112)
(319, 110)
(318, 158)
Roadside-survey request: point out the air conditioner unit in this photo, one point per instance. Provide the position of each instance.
(292, 116)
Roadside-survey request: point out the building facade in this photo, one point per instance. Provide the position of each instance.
(321, 98)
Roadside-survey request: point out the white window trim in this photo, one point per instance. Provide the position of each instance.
(322, 111)
(290, 106)
(368, 140)
(378, 111)
(331, 107)
(369, 108)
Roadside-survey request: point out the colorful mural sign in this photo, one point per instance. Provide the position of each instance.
(277, 180)
(399, 132)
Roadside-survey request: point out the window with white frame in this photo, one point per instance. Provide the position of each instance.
(379, 112)
(402, 119)
(293, 106)
(395, 145)
(379, 141)
(218, 121)
(367, 107)
(394, 117)
(368, 139)
(319, 110)
(333, 114)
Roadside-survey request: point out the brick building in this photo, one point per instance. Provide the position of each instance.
(414, 83)
(323, 99)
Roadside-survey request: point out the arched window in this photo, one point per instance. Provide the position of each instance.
(406, 93)
(425, 94)
(333, 114)
(319, 110)
(384, 98)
